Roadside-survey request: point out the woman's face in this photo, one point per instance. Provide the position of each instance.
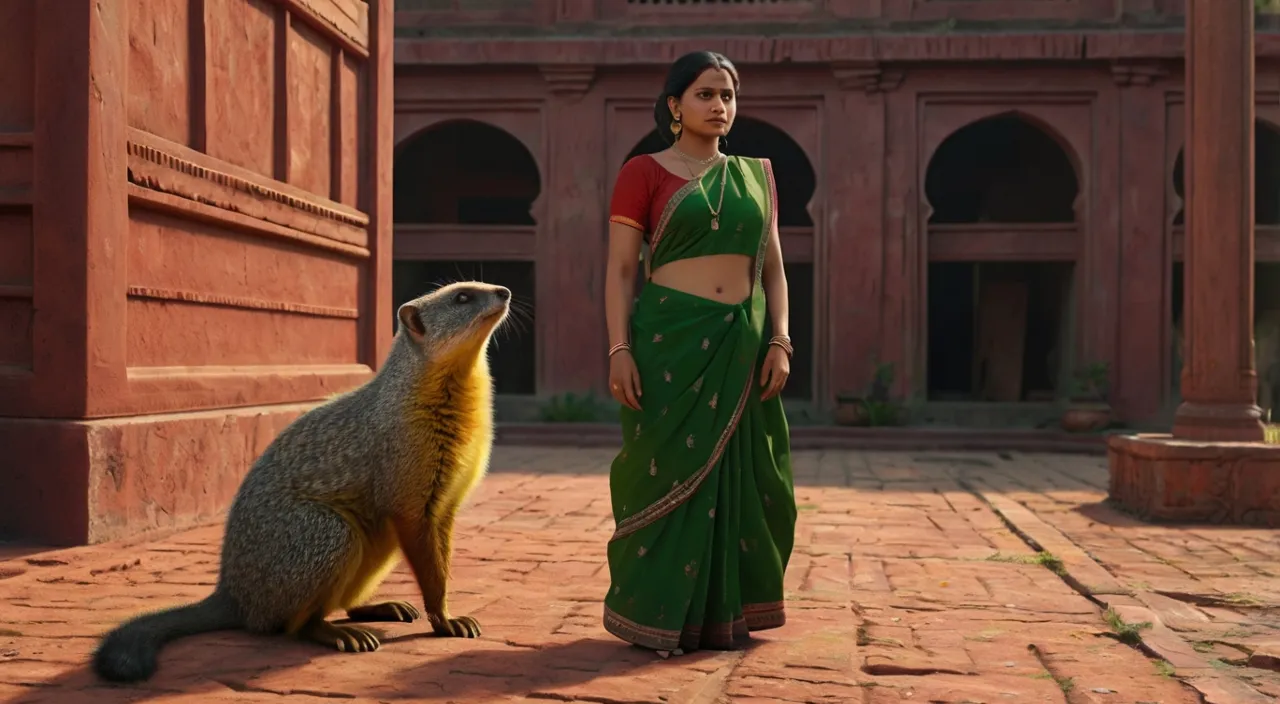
(708, 105)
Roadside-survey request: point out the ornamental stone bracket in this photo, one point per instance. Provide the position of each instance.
(1137, 73)
(867, 76)
(568, 80)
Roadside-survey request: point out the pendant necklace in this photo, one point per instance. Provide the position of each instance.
(724, 178)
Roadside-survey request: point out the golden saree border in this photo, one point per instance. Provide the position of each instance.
(762, 617)
(685, 490)
(644, 636)
(756, 617)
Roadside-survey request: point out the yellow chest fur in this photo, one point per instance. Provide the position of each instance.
(452, 432)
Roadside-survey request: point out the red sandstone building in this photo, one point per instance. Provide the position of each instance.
(986, 209)
(196, 226)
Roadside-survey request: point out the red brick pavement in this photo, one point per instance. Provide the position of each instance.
(905, 585)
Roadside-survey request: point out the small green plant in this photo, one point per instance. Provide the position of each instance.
(1091, 382)
(881, 409)
(1127, 633)
(1043, 558)
(574, 408)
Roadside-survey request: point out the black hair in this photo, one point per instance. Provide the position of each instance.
(680, 76)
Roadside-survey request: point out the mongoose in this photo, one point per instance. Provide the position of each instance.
(325, 513)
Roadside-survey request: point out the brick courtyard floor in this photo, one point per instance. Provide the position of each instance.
(925, 577)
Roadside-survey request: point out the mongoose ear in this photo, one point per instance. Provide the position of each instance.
(411, 320)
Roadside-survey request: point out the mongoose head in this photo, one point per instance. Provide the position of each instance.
(454, 323)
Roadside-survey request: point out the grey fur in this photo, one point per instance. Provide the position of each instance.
(284, 544)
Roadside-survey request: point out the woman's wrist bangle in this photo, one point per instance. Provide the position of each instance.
(784, 342)
(619, 347)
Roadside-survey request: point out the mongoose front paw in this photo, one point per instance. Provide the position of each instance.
(342, 638)
(401, 611)
(461, 627)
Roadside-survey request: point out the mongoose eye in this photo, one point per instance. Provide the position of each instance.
(462, 297)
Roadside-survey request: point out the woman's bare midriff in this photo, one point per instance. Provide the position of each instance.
(725, 278)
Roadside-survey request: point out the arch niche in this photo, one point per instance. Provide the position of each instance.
(1002, 195)
(1266, 279)
(796, 183)
(464, 194)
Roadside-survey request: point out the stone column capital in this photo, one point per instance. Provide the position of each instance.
(568, 80)
(867, 76)
(1127, 72)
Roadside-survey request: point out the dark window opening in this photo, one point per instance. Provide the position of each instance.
(1266, 177)
(1001, 169)
(998, 331)
(513, 351)
(465, 173)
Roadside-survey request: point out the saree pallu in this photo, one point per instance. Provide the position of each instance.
(702, 490)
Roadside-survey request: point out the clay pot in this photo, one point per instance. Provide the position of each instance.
(1086, 417)
(851, 411)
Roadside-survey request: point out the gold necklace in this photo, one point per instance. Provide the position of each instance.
(724, 179)
(704, 162)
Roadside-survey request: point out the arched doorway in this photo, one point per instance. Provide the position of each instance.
(1002, 240)
(464, 192)
(796, 182)
(1266, 280)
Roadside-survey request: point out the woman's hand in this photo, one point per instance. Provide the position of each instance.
(777, 367)
(624, 379)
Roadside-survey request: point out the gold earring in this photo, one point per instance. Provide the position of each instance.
(676, 127)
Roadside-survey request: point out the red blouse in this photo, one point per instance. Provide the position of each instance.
(641, 192)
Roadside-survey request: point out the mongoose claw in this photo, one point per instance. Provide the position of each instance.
(353, 639)
(401, 611)
(342, 638)
(461, 627)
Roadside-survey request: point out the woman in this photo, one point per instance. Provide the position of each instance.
(702, 489)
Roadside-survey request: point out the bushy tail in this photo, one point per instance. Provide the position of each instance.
(128, 653)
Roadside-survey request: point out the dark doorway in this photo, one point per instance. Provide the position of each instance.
(999, 330)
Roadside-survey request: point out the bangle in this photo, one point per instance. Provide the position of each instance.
(618, 348)
(784, 342)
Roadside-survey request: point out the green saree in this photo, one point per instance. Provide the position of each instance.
(702, 491)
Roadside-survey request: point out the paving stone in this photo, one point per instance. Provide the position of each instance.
(904, 586)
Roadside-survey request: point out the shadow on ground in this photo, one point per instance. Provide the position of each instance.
(223, 665)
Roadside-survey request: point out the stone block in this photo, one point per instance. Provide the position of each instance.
(1161, 478)
(86, 482)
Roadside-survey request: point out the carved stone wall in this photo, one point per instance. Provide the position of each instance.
(195, 225)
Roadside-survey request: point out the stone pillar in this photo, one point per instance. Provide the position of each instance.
(1141, 383)
(1213, 468)
(852, 256)
(572, 237)
(1218, 379)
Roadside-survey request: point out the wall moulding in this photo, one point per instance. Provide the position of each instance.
(141, 197)
(165, 167)
(186, 389)
(344, 22)
(242, 302)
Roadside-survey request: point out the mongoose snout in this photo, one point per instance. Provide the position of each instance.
(346, 490)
